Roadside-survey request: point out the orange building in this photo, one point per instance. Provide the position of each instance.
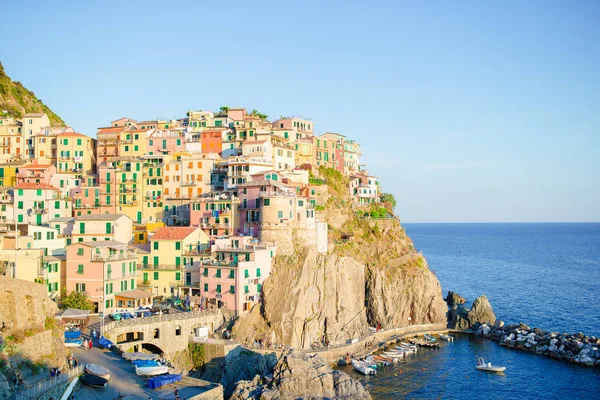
(212, 140)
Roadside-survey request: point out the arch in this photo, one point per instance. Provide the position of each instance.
(127, 337)
(151, 347)
(178, 330)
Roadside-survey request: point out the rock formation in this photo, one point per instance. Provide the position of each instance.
(462, 319)
(454, 298)
(370, 276)
(294, 376)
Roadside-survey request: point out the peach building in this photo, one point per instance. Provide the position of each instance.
(36, 173)
(165, 141)
(233, 278)
(216, 214)
(106, 271)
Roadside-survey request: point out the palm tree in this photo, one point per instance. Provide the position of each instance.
(254, 112)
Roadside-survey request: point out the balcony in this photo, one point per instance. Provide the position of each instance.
(217, 263)
(155, 267)
(84, 206)
(125, 191)
(102, 143)
(78, 159)
(277, 194)
(64, 158)
(128, 181)
(122, 255)
(128, 203)
(4, 144)
(189, 183)
(196, 251)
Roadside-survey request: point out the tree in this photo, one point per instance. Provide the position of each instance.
(388, 198)
(254, 112)
(78, 300)
(224, 108)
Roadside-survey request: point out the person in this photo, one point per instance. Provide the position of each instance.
(85, 344)
(90, 344)
(94, 334)
(176, 393)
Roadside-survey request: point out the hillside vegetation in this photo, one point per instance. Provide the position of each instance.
(17, 100)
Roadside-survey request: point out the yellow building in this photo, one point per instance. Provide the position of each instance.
(76, 153)
(8, 172)
(133, 142)
(174, 259)
(11, 141)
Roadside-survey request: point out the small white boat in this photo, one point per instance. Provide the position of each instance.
(152, 371)
(394, 354)
(447, 337)
(406, 349)
(483, 366)
(98, 370)
(363, 367)
(409, 346)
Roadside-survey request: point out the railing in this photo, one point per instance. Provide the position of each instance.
(159, 318)
(128, 203)
(189, 183)
(215, 263)
(108, 142)
(96, 205)
(278, 194)
(34, 391)
(114, 257)
(196, 252)
(160, 266)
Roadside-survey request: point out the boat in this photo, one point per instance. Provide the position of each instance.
(152, 370)
(429, 339)
(447, 337)
(139, 356)
(363, 368)
(409, 346)
(483, 366)
(145, 363)
(73, 342)
(407, 349)
(392, 354)
(98, 370)
(93, 380)
(385, 360)
(423, 343)
(163, 380)
(73, 334)
(105, 343)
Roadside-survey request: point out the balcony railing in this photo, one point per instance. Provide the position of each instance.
(128, 203)
(160, 266)
(95, 205)
(217, 263)
(115, 256)
(196, 251)
(189, 183)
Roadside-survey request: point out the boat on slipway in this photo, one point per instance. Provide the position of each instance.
(363, 367)
(152, 370)
(93, 380)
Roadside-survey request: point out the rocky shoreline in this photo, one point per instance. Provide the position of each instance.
(576, 348)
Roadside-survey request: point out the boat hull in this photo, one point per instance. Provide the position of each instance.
(152, 371)
(490, 369)
(93, 380)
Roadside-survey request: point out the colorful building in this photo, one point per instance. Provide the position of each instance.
(165, 141)
(364, 188)
(76, 153)
(233, 278)
(36, 173)
(8, 172)
(38, 203)
(329, 151)
(216, 214)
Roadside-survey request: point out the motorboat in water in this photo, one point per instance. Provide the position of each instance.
(152, 370)
(429, 339)
(483, 366)
(93, 380)
(363, 367)
(409, 346)
(407, 349)
(447, 337)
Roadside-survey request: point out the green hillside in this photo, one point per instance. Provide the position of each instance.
(18, 100)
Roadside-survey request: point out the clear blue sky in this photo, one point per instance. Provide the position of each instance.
(467, 111)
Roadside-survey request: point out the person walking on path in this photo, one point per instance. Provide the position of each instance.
(90, 344)
(85, 344)
(94, 334)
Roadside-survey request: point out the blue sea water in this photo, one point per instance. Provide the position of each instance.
(545, 275)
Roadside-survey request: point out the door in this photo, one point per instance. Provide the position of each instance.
(139, 217)
(188, 279)
(38, 219)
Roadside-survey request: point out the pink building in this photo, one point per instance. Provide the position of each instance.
(233, 278)
(106, 271)
(166, 141)
(216, 214)
(36, 173)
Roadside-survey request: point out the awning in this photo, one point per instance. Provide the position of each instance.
(134, 294)
(73, 313)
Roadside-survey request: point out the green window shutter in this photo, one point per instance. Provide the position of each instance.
(39, 192)
(178, 261)
(155, 260)
(108, 200)
(145, 277)
(80, 269)
(177, 276)
(259, 288)
(231, 274)
(218, 273)
(218, 288)
(156, 276)
(81, 227)
(78, 142)
(246, 274)
(258, 272)
(155, 244)
(232, 289)
(246, 291)
(206, 287)
(20, 192)
(177, 245)
(205, 273)
(108, 227)
(279, 214)
(145, 260)
(123, 268)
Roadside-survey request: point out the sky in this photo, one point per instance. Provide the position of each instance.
(467, 111)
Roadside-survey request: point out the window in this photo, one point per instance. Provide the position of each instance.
(232, 289)
(246, 291)
(232, 274)
(258, 272)
(155, 244)
(178, 330)
(218, 288)
(259, 288)
(157, 334)
(205, 273)
(155, 276)
(79, 252)
(108, 227)
(80, 269)
(246, 274)
(206, 287)
(20, 205)
(177, 276)
(267, 202)
(177, 245)
(20, 218)
(218, 273)
(78, 142)
(279, 214)
(80, 287)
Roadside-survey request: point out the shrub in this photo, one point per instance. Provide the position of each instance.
(50, 323)
(196, 354)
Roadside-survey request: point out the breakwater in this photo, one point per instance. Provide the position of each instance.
(576, 348)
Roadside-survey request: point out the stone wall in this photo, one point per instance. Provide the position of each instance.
(213, 392)
(24, 304)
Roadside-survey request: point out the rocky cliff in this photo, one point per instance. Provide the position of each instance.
(371, 275)
(292, 376)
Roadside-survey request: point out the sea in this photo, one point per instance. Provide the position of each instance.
(546, 275)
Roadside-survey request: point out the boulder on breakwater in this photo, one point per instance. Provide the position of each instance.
(576, 348)
(454, 298)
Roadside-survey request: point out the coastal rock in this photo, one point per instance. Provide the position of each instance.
(481, 312)
(499, 324)
(458, 318)
(245, 365)
(454, 299)
(298, 376)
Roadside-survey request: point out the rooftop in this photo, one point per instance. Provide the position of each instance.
(36, 166)
(170, 233)
(102, 243)
(100, 217)
(26, 185)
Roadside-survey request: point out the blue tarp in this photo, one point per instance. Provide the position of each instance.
(74, 334)
(78, 341)
(145, 363)
(163, 380)
(104, 342)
